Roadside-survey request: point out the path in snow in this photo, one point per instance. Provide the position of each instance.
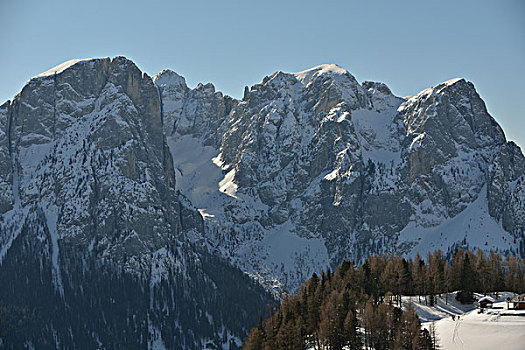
(490, 330)
(456, 339)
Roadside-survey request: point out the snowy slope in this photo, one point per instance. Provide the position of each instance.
(471, 227)
(496, 328)
(491, 330)
(60, 68)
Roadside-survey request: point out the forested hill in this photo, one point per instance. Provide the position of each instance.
(358, 305)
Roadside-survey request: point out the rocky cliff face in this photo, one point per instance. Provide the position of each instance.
(87, 150)
(90, 202)
(313, 167)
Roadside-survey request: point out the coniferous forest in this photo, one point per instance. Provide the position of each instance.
(359, 306)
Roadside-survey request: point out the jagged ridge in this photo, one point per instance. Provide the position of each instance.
(313, 167)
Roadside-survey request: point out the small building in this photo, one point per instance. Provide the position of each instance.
(485, 302)
(518, 302)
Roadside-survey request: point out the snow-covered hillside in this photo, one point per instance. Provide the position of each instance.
(495, 328)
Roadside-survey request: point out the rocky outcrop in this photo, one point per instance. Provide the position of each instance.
(198, 112)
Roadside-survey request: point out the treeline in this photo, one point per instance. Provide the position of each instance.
(467, 271)
(358, 306)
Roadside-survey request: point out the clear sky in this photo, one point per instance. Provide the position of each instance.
(409, 45)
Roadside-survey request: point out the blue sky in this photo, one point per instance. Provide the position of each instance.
(409, 45)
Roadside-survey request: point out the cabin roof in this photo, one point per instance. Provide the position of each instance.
(487, 298)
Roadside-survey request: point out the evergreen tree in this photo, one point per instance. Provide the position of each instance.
(255, 340)
(409, 331)
(456, 270)
(419, 272)
(433, 336)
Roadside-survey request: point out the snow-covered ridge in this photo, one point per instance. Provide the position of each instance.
(324, 69)
(61, 67)
(452, 81)
(437, 89)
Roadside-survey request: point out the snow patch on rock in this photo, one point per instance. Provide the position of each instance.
(61, 67)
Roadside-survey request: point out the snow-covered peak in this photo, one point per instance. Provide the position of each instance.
(456, 83)
(380, 97)
(118, 64)
(332, 70)
(329, 78)
(452, 81)
(279, 78)
(61, 67)
(374, 87)
(167, 77)
(337, 82)
(441, 88)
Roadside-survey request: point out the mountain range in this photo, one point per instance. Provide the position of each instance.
(135, 210)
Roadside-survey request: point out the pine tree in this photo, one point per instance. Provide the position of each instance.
(255, 340)
(409, 331)
(456, 270)
(447, 282)
(419, 271)
(497, 282)
(331, 323)
(482, 272)
(434, 336)
(350, 326)
(468, 276)
(511, 278)
(424, 341)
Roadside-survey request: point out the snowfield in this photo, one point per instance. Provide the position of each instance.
(496, 328)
